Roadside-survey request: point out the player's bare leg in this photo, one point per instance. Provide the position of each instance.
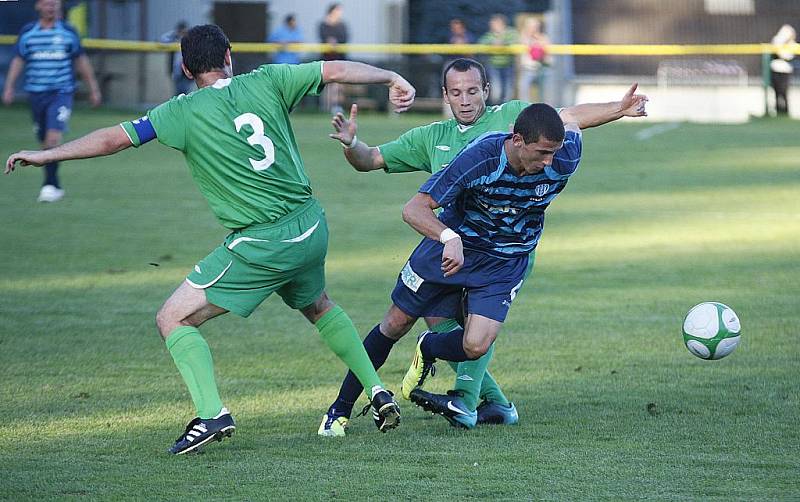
(319, 308)
(396, 323)
(479, 334)
(187, 306)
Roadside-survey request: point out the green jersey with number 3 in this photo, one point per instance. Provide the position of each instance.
(239, 143)
(431, 147)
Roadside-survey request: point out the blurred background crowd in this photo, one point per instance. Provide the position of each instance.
(730, 87)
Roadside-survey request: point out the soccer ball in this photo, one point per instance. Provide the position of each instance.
(711, 330)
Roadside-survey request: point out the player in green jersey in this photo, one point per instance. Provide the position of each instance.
(240, 148)
(430, 148)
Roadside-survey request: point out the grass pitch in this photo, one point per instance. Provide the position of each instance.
(612, 405)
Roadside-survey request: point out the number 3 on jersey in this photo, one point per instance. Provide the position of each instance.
(257, 138)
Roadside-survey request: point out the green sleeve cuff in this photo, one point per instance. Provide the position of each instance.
(392, 158)
(131, 132)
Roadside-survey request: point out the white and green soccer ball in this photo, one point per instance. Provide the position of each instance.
(711, 330)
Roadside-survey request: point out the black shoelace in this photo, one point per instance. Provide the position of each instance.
(427, 368)
(365, 410)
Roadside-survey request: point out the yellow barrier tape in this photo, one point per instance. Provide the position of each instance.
(660, 50)
(555, 49)
(7, 39)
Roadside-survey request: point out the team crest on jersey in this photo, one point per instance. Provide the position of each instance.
(540, 191)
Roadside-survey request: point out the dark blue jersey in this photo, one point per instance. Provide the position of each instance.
(495, 210)
(48, 55)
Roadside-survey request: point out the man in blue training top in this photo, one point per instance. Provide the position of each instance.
(47, 49)
(475, 254)
(289, 33)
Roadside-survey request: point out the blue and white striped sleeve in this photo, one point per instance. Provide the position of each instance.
(566, 159)
(19, 45)
(445, 186)
(77, 48)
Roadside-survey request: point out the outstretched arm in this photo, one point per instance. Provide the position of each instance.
(95, 144)
(596, 114)
(360, 155)
(14, 69)
(401, 93)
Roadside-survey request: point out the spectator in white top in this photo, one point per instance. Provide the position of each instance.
(781, 68)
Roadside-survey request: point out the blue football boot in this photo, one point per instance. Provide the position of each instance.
(497, 414)
(450, 406)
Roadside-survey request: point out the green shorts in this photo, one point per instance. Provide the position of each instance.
(287, 257)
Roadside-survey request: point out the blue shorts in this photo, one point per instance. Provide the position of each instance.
(490, 284)
(51, 111)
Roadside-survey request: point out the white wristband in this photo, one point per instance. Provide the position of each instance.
(446, 235)
(352, 143)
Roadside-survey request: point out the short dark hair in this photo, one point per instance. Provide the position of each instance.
(463, 64)
(203, 48)
(539, 120)
(288, 19)
(332, 7)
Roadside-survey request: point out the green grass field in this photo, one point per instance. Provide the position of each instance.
(612, 405)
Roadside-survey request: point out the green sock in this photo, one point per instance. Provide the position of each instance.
(193, 358)
(445, 326)
(489, 389)
(469, 377)
(338, 332)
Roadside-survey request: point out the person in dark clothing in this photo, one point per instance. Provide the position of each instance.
(182, 83)
(333, 31)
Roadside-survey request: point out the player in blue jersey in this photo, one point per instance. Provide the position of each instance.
(49, 50)
(430, 148)
(494, 194)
